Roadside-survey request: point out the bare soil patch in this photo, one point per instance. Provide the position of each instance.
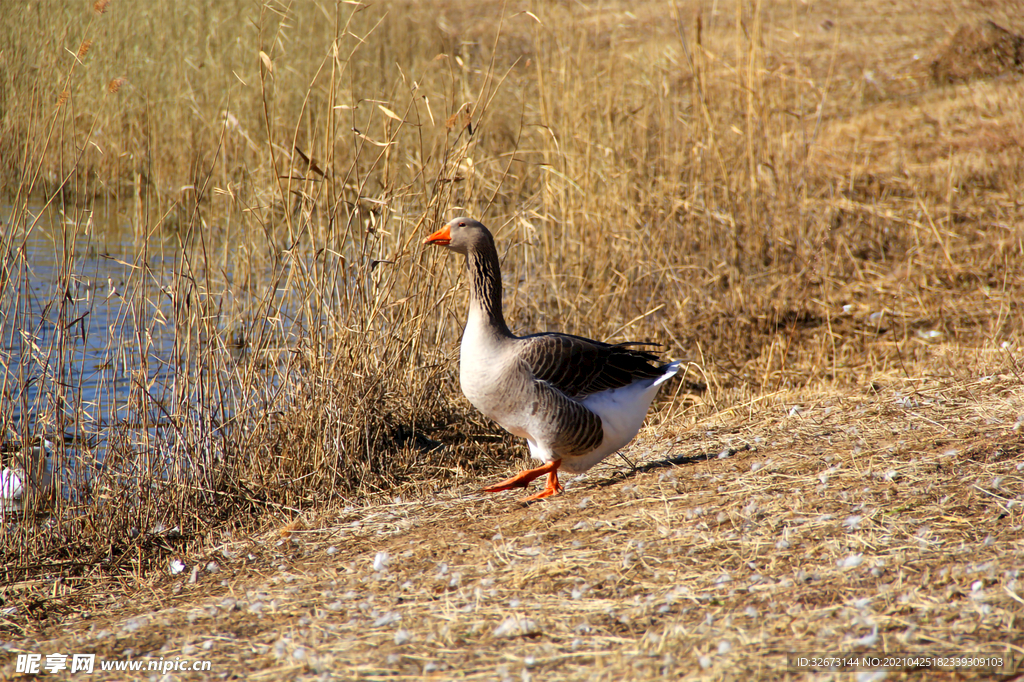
(982, 51)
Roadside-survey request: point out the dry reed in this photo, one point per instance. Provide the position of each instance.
(783, 194)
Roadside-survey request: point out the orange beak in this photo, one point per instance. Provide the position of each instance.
(442, 237)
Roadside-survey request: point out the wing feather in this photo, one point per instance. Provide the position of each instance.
(566, 427)
(579, 367)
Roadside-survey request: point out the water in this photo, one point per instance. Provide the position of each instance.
(86, 330)
(73, 330)
(129, 357)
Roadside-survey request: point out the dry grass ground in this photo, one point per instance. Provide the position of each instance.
(844, 523)
(820, 205)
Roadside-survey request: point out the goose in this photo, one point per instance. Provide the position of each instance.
(574, 400)
(26, 481)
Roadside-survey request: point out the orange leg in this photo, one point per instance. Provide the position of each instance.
(523, 479)
(552, 488)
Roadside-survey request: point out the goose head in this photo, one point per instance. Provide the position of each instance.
(462, 235)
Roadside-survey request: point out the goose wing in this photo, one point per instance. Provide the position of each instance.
(579, 367)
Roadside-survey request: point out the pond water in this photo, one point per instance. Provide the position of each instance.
(136, 355)
(86, 323)
(70, 321)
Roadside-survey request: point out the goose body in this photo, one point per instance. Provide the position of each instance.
(574, 400)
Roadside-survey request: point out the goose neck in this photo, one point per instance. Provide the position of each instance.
(485, 290)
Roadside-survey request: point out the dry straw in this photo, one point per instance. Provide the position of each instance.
(83, 49)
(826, 230)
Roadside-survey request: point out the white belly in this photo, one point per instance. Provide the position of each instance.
(622, 412)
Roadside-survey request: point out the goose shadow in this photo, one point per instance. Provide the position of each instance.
(666, 463)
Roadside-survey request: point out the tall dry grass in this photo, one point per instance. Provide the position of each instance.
(679, 174)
